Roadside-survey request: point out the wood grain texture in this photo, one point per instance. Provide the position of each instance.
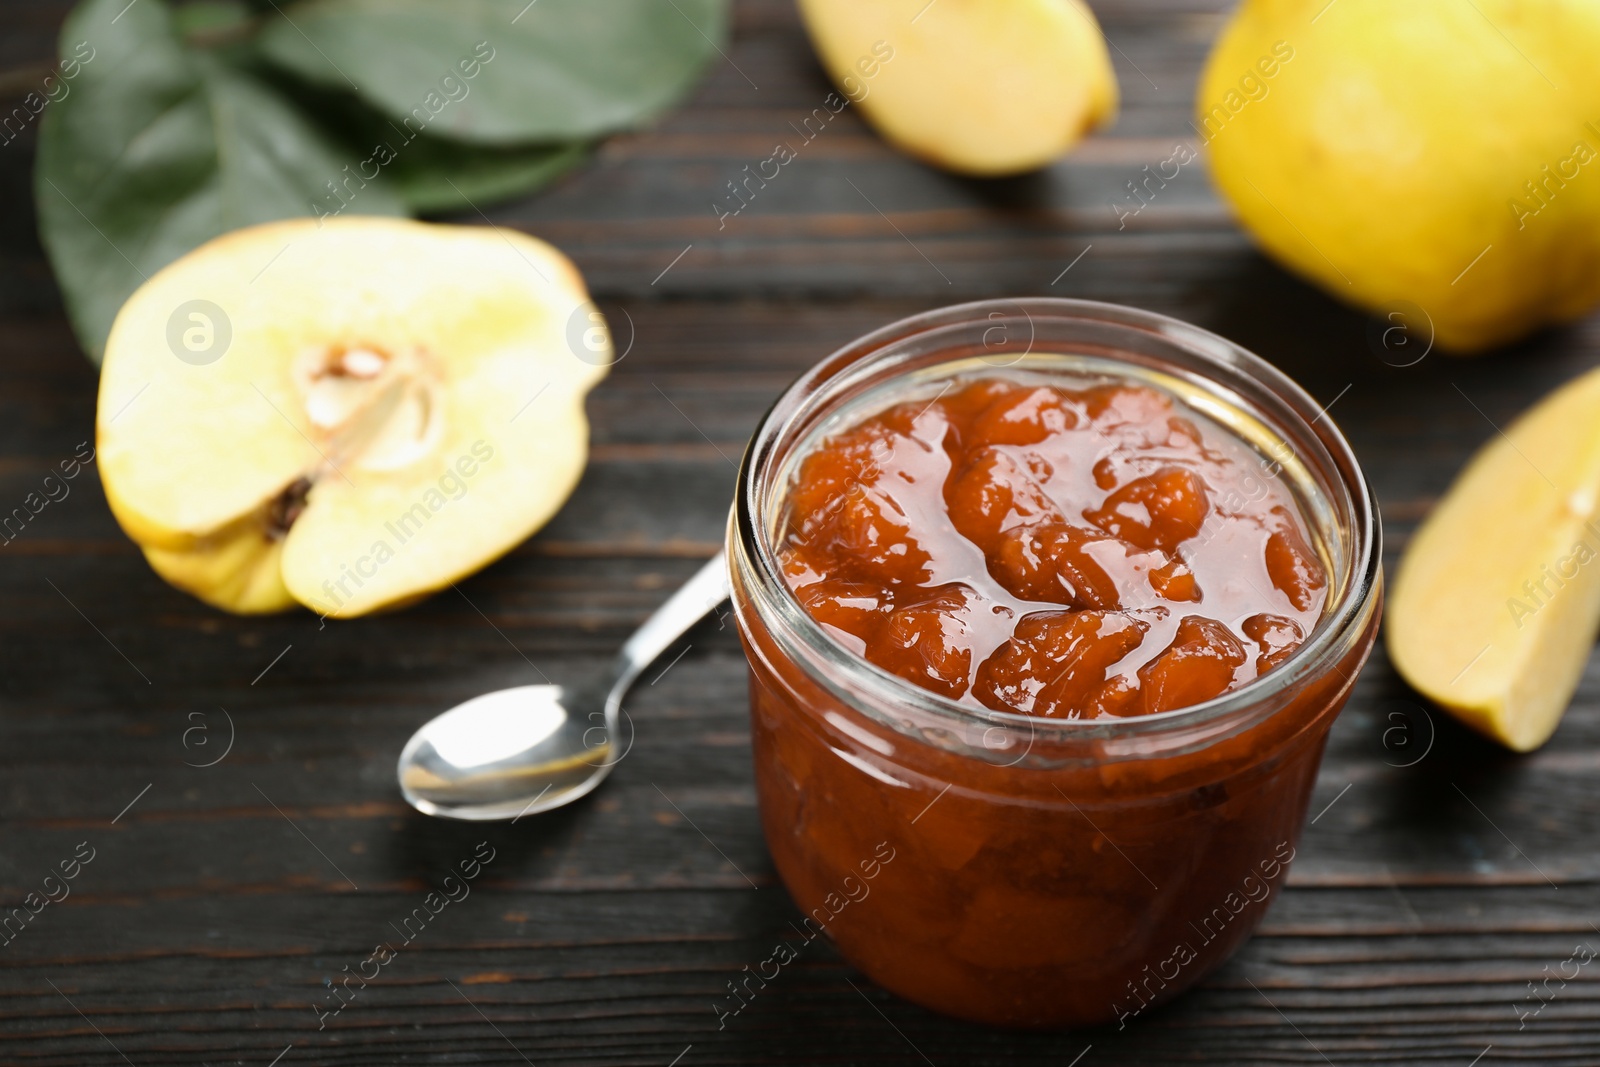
(218, 907)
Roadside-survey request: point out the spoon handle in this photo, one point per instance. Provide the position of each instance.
(692, 602)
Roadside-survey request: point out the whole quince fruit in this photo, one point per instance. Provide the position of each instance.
(1443, 153)
(346, 414)
(979, 87)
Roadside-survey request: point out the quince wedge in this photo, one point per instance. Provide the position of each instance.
(980, 87)
(1494, 609)
(346, 415)
(1436, 154)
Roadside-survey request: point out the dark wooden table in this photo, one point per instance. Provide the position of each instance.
(221, 901)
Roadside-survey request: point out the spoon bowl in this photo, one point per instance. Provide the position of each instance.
(479, 760)
(515, 752)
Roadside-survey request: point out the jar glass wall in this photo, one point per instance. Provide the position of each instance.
(1021, 870)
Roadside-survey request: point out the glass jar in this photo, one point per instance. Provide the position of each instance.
(1024, 871)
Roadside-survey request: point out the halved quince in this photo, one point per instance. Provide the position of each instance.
(981, 87)
(384, 407)
(1494, 609)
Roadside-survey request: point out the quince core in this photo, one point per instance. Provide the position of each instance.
(393, 405)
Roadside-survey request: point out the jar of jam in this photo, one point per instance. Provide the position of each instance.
(1049, 607)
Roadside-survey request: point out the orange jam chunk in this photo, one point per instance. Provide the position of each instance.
(1060, 547)
(1056, 662)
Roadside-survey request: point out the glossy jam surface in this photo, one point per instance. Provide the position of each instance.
(1060, 547)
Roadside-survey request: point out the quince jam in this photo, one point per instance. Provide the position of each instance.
(1061, 548)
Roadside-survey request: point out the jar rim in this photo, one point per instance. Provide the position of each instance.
(754, 559)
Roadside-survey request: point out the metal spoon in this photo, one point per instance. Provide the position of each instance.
(517, 751)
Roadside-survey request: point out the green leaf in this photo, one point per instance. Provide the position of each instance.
(157, 149)
(212, 18)
(430, 174)
(442, 176)
(503, 71)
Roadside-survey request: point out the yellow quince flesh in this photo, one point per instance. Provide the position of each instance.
(1494, 609)
(1440, 153)
(345, 415)
(979, 87)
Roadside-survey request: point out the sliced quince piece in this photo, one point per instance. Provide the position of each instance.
(349, 414)
(981, 87)
(1495, 605)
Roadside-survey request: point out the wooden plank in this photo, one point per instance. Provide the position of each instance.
(621, 991)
